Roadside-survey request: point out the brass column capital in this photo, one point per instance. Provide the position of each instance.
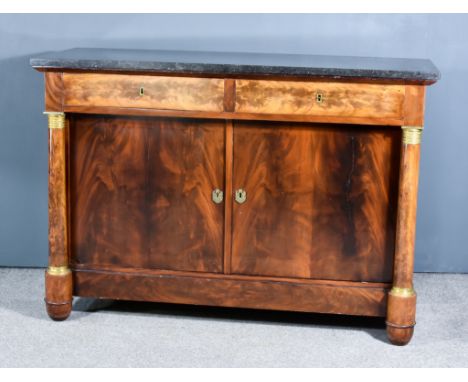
(412, 135)
(56, 119)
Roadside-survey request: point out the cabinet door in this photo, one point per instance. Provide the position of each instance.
(320, 201)
(141, 192)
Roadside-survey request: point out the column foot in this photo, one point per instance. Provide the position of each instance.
(58, 311)
(58, 300)
(399, 335)
(401, 314)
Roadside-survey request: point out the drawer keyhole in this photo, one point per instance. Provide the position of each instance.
(141, 91)
(240, 196)
(217, 196)
(319, 97)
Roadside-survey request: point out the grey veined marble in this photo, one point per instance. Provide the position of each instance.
(237, 63)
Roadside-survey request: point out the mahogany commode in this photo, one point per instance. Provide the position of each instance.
(282, 182)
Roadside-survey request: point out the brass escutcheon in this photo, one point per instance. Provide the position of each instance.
(141, 92)
(240, 196)
(217, 196)
(319, 97)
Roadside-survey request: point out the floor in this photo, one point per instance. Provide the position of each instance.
(129, 334)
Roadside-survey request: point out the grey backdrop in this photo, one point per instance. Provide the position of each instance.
(443, 209)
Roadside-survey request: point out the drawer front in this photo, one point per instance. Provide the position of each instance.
(149, 92)
(320, 98)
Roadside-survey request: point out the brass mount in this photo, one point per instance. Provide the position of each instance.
(56, 119)
(402, 292)
(412, 135)
(58, 271)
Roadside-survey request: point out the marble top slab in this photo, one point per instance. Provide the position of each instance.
(238, 64)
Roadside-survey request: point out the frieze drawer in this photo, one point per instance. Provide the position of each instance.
(147, 92)
(320, 98)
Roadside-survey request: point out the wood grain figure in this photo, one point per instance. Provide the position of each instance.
(321, 201)
(58, 285)
(320, 98)
(230, 292)
(115, 90)
(289, 185)
(141, 193)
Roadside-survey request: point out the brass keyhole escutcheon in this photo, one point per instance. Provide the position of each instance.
(319, 97)
(141, 92)
(240, 196)
(217, 196)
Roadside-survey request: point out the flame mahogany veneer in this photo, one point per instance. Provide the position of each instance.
(328, 219)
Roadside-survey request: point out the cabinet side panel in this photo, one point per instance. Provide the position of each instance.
(141, 192)
(53, 91)
(321, 201)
